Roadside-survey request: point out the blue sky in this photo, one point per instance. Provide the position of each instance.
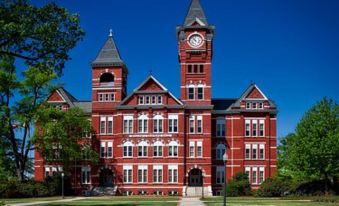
(289, 48)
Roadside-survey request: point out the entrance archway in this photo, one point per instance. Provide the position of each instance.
(106, 178)
(195, 178)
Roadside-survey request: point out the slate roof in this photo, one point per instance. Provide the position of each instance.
(108, 55)
(222, 104)
(195, 12)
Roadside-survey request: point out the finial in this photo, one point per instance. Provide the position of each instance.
(110, 33)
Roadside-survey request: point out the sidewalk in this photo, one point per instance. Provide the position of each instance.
(45, 202)
(191, 201)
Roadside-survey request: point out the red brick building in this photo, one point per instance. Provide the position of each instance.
(151, 142)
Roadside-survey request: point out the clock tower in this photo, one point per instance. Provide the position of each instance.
(195, 41)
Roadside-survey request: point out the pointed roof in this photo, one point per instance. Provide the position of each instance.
(195, 14)
(108, 55)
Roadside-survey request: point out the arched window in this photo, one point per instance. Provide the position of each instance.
(157, 124)
(143, 124)
(220, 151)
(107, 79)
(173, 149)
(157, 149)
(128, 149)
(142, 149)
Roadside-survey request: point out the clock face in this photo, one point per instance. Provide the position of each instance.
(195, 41)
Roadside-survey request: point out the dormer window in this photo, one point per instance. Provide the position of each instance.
(149, 99)
(254, 105)
(261, 105)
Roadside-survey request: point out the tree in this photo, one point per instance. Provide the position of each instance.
(60, 136)
(37, 39)
(312, 152)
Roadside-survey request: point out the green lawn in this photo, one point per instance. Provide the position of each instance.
(251, 201)
(116, 201)
(26, 200)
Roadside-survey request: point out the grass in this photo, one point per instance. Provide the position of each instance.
(26, 200)
(122, 201)
(252, 201)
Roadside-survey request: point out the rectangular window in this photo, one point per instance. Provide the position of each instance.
(173, 151)
(191, 124)
(141, 100)
(128, 124)
(172, 123)
(172, 173)
(142, 174)
(154, 98)
(220, 128)
(220, 176)
(100, 97)
(105, 97)
(254, 105)
(261, 151)
(190, 93)
(142, 151)
(254, 175)
(157, 125)
(102, 125)
(110, 149)
(147, 100)
(254, 128)
(157, 174)
(261, 127)
(248, 105)
(261, 105)
(110, 125)
(85, 175)
(200, 93)
(247, 151)
(201, 68)
(157, 151)
(247, 128)
(102, 149)
(128, 151)
(199, 149)
(261, 174)
(159, 99)
(199, 124)
(143, 125)
(189, 68)
(195, 68)
(254, 151)
(247, 172)
(128, 176)
(191, 148)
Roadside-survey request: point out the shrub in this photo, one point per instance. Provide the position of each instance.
(274, 187)
(315, 188)
(238, 186)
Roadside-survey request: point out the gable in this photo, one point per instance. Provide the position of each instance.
(56, 97)
(150, 85)
(255, 94)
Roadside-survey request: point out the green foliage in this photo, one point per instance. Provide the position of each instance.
(274, 187)
(238, 186)
(60, 133)
(312, 152)
(38, 39)
(38, 35)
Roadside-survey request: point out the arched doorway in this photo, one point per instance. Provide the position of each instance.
(195, 178)
(106, 178)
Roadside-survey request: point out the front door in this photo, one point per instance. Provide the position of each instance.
(195, 178)
(106, 178)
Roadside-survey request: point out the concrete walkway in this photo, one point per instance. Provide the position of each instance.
(191, 201)
(47, 201)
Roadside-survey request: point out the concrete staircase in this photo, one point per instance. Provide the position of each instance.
(103, 191)
(197, 191)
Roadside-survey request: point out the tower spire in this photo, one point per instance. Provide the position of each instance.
(195, 13)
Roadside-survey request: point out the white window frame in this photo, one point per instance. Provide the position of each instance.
(254, 128)
(248, 155)
(261, 148)
(109, 125)
(144, 173)
(128, 124)
(188, 92)
(129, 150)
(173, 148)
(261, 171)
(254, 152)
(191, 125)
(85, 175)
(202, 92)
(173, 123)
(201, 126)
(200, 146)
(158, 174)
(247, 128)
(128, 174)
(261, 124)
(144, 124)
(144, 149)
(254, 175)
(102, 125)
(158, 149)
(191, 149)
(158, 124)
(173, 174)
